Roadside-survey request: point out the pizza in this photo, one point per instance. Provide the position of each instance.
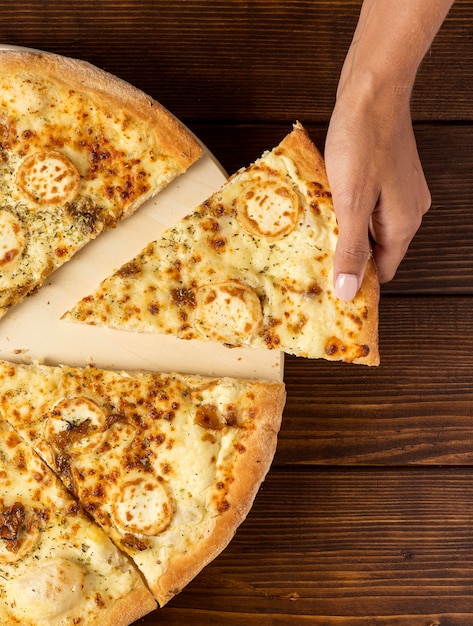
(251, 266)
(166, 465)
(80, 150)
(118, 487)
(56, 565)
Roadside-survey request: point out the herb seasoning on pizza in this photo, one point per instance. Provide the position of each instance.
(167, 465)
(57, 566)
(80, 150)
(251, 266)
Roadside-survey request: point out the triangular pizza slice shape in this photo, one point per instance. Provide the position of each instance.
(81, 150)
(251, 266)
(57, 566)
(167, 464)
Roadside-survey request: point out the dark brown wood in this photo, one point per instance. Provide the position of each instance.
(236, 60)
(339, 546)
(366, 517)
(416, 408)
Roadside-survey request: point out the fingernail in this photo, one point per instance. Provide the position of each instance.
(346, 286)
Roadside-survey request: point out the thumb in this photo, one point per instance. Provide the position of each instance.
(351, 255)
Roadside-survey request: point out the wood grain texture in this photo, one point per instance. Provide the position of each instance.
(416, 408)
(387, 547)
(240, 61)
(366, 517)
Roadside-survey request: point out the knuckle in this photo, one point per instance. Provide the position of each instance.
(352, 203)
(355, 253)
(427, 203)
(412, 227)
(424, 199)
(415, 221)
(386, 275)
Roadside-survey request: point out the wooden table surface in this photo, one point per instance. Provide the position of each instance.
(366, 516)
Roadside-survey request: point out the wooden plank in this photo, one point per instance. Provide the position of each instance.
(440, 259)
(440, 92)
(415, 408)
(328, 543)
(335, 547)
(209, 618)
(240, 61)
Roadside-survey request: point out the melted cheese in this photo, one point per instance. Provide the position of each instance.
(76, 412)
(266, 206)
(269, 231)
(45, 117)
(143, 507)
(72, 165)
(47, 178)
(12, 238)
(47, 590)
(65, 568)
(161, 474)
(227, 311)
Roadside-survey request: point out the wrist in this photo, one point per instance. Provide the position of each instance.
(376, 103)
(389, 43)
(373, 78)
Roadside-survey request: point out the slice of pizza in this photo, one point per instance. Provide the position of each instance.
(80, 150)
(251, 266)
(167, 464)
(57, 566)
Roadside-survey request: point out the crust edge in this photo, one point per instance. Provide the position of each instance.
(133, 606)
(250, 471)
(172, 135)
(299, 147)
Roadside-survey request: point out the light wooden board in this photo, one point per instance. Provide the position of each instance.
(33, 330)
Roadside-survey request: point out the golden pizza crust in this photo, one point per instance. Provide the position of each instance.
(249, 472)
(170, 135)
(300, 149)
(129, 609)
(152, 422)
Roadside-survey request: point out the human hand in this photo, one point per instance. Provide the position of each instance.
(378, 185)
